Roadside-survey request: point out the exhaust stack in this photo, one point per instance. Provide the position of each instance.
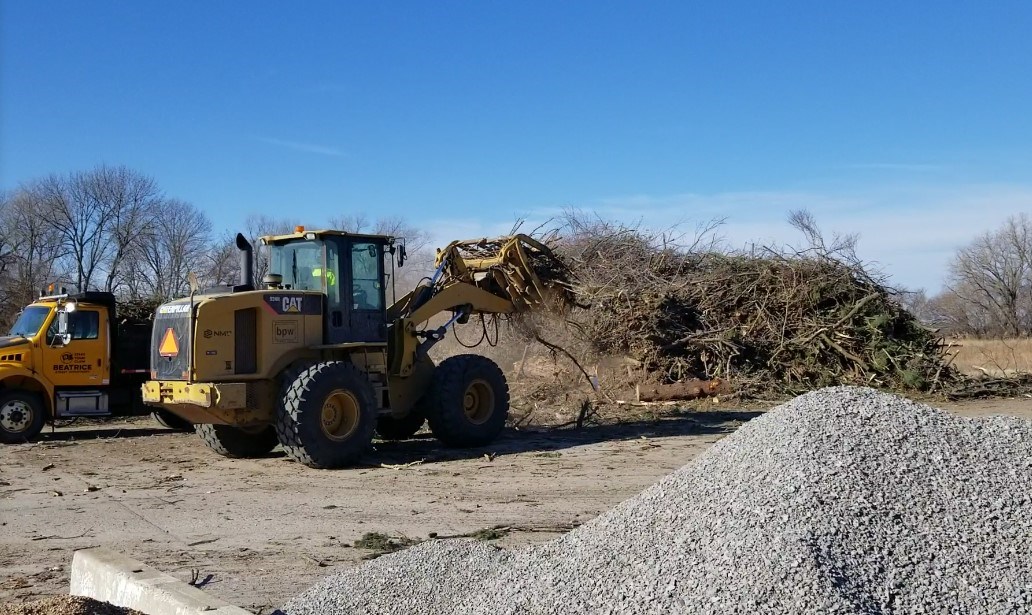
(246, 263)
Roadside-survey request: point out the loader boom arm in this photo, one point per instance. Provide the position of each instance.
(507, 275)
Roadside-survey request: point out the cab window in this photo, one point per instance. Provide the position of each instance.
(82, 324)
(300, 264)
(365, 276)
(30, 321)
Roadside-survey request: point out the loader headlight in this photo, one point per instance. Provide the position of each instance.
(70, 307)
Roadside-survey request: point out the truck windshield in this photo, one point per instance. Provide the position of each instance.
(300, 263)
(30, 321)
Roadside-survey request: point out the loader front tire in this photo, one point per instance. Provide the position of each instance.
(468, 402)
(327, 415)
(238, 442)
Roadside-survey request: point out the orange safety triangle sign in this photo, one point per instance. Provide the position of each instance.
(169, 346)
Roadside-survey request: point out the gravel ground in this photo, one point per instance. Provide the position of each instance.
(844, 500)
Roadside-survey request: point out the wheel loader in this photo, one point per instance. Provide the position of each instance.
(315, 360)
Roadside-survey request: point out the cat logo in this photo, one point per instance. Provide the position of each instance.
(291, 305)
(169, 346)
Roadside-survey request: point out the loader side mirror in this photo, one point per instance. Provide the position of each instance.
(401, 255)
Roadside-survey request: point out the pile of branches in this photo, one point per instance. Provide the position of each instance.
(768, 320)
(139, 310)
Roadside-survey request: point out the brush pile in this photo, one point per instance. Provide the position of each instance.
(767, 320)
(137, 310)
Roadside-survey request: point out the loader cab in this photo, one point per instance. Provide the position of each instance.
(347, 269)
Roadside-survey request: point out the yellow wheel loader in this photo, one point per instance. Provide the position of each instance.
(314, 359)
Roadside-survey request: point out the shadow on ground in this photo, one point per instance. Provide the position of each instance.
(424, 447)
(65, 434)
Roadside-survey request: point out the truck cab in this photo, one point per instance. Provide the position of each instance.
(64, 357)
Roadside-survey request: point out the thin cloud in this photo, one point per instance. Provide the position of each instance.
(911, 231)
(896, 166)
(311, 148)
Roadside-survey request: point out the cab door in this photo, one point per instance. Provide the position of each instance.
(368, 310)
(83, 361)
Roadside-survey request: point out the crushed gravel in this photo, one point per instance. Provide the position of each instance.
(65, 605)
(844, 500)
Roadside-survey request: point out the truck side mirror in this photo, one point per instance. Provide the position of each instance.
(63, 334)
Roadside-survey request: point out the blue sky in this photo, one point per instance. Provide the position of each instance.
(910, 123)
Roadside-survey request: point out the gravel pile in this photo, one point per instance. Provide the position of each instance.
(844, 500)
(65, 605)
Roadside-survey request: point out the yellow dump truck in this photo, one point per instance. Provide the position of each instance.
(70, 356)
(314, 358)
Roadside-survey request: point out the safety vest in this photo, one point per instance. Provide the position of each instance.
(331, 278)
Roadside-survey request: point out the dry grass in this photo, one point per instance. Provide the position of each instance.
(994, 358)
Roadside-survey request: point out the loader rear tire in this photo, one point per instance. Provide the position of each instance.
(327, 415)
(22, 415)
(238, 442)
(171, 421)
(468, 402)
(390, 428)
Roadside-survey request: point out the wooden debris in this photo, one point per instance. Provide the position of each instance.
(691, 389)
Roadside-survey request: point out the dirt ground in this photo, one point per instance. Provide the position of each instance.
(255, 532)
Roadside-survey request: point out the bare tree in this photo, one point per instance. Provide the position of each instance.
(130, 201)
(416, 239)
(351, 223)
(8, 240)
(261, 225)
(178, 245)
(31, 251)
(917, 303)
(79, 218)
(994, 274)
(953, 315)
(222, 265)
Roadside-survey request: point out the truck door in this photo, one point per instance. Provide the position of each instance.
(83, 361)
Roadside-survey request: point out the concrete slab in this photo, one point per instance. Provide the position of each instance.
(105, 575)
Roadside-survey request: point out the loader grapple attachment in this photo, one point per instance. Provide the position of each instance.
(516, 267)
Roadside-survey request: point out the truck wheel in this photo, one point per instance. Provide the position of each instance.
(21, 416)
(230, 441)
(468, 402)
(327, 416)
(170, 420)
(390, 428)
